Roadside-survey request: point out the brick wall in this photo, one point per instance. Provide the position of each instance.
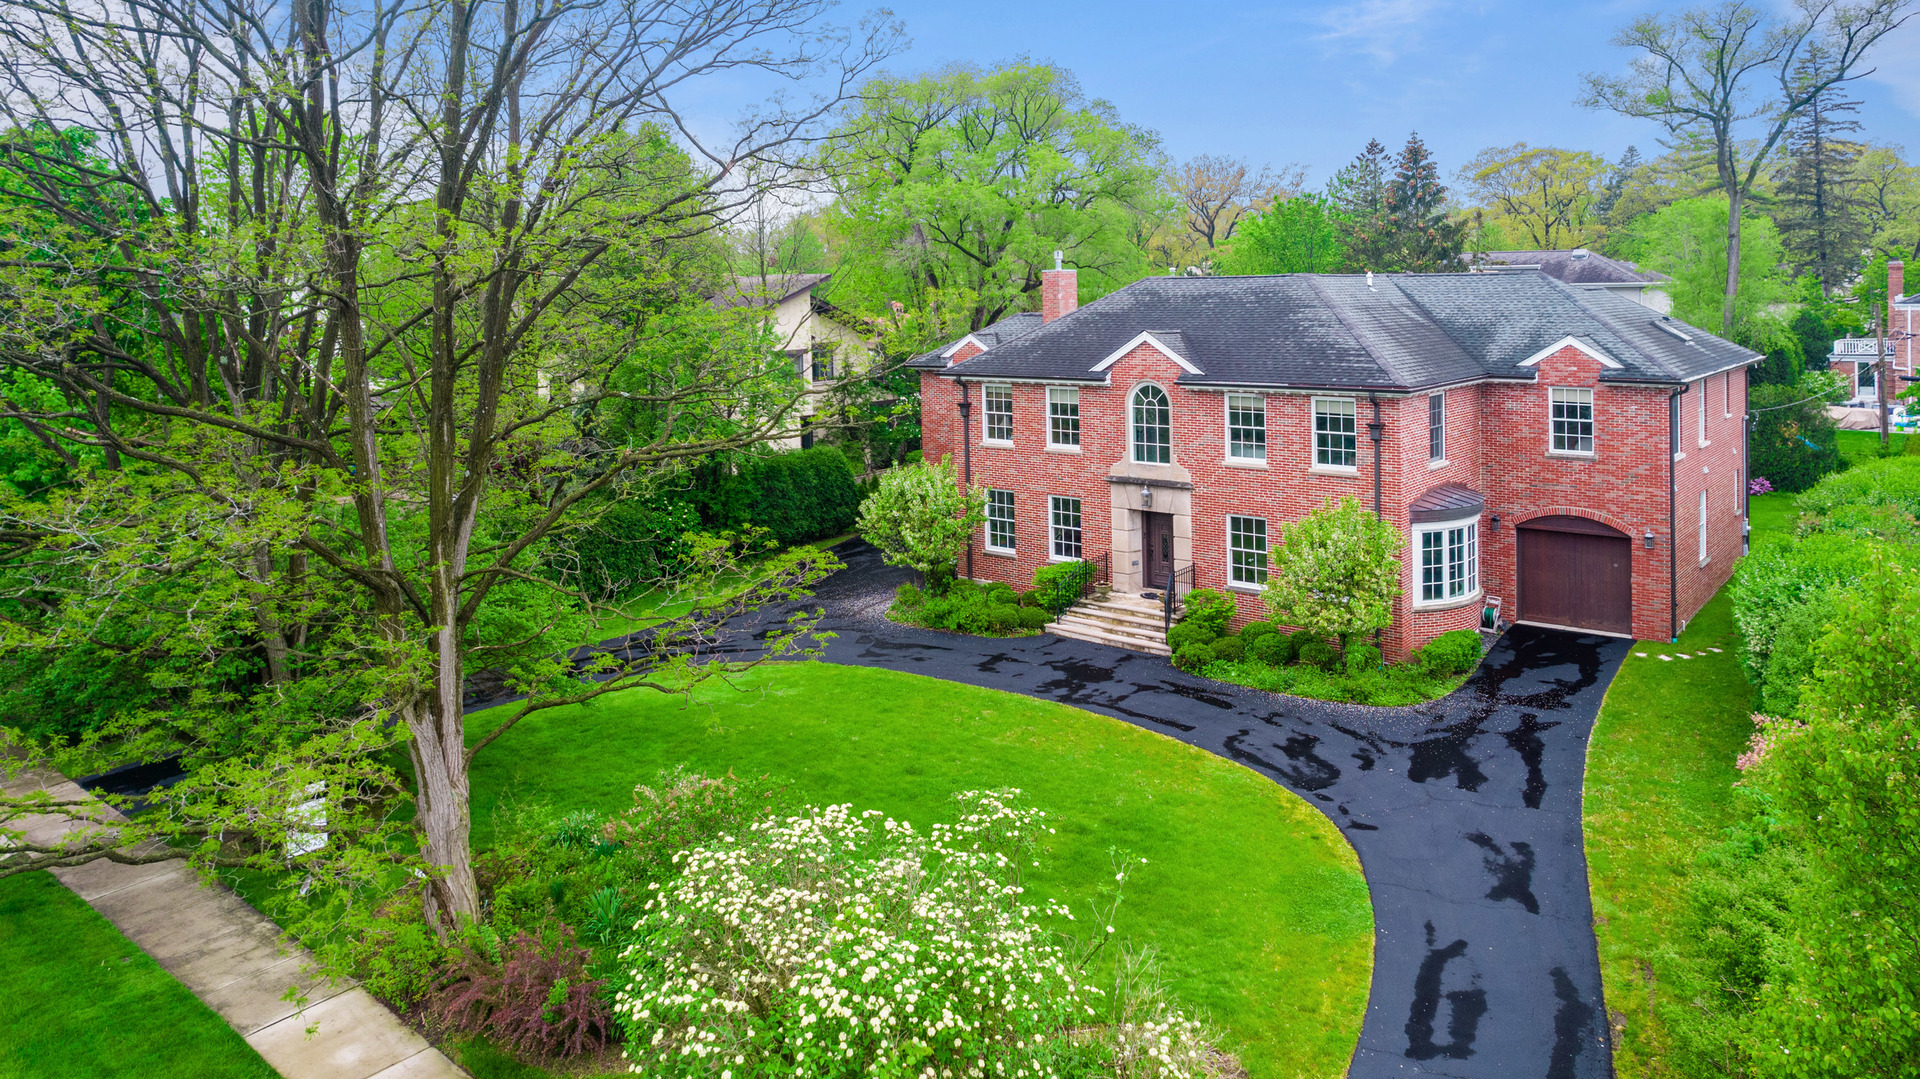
(1497, 436)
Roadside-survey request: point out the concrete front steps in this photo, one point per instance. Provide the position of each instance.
(1133, 622)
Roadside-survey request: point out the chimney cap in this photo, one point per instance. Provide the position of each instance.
(1056, 261)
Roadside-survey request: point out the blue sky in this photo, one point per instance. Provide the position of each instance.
(1311, 82)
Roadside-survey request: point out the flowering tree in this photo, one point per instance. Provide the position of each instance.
(839, 943)
(921, 516)
(1337, 571)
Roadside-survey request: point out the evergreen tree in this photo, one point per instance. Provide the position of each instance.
(1425, 239)
(1616, 185)
(1821, 207)
(1359, 193)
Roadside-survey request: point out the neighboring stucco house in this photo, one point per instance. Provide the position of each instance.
(1587, 269)
(819, 337)
(1853, 356)
(1563, 449)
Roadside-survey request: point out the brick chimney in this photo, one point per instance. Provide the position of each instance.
(1896, 284)
(1059, 291)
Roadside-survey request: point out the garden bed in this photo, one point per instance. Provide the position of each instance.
(1305, 664)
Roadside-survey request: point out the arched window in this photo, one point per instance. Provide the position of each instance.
(1152, 426)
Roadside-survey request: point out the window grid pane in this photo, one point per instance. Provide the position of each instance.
(1066, 527)
(1437, 427)
(1247, 426)
(999, 414)
(1063, 416)
(1152, 418)
(1000, 520)
(1432, 568)
(1572, 414)
(1334, 443)
(1247, 549)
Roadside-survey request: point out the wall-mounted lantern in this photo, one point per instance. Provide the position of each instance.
(1146, 496)
(1649, 539)
(1494, 524)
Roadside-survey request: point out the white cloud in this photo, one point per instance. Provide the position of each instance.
(1382, 29)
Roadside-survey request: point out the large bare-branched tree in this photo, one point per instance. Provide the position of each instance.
(339, 314)
(1730, 79)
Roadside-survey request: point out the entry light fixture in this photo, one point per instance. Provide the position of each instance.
(1146, 496)
(1494, 524)
(1649, 539)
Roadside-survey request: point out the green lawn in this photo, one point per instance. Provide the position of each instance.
(1252, 896)
(1659, 788)
(79, 999)
(1865, 445)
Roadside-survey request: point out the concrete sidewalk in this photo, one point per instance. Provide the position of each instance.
(230, 956)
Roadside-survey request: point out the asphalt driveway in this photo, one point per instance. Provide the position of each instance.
(1465, 813)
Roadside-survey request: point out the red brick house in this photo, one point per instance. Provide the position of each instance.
(1854, 357)
(1565, 450)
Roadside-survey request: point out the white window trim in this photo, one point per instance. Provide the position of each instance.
(1471, 595)
(987, 525)
(985, 413)
(1226, 429)
(1132, 392)
(1726, 395)
(1313, 438)
(1578, 455)
(1441, 396)
(1053, 531)
(1243, 586)
(1705, 555)
(1065, 447)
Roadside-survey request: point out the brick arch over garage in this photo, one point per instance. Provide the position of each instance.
(1591, 514)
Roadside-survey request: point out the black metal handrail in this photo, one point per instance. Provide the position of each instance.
(1168, 597)
(1102, 574)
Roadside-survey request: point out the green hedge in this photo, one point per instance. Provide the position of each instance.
(637, 540)
(798, 496)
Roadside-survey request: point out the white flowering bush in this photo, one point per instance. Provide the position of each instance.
(835, 943)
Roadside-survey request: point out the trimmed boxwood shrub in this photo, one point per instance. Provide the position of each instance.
(1453, 652)
(1271, 648)
(1256, 629)
(1185, 633)
(1061, 584)
(1193, 657)
(1230, 648)
(1302, 638)
(1318, 653)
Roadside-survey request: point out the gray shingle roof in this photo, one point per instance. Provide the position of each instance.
(1334, 331)
(766, 291)
(1575, 267)
(997, 334)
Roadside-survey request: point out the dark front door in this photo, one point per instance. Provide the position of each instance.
(1156, 559)
(1577, 573)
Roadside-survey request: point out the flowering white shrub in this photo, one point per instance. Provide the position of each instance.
(842, 944)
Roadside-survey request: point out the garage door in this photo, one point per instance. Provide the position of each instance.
(1575, 572)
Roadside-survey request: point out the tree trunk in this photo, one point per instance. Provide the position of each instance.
(438, 746)
(1733, 259)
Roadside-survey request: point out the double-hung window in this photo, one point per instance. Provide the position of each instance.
(1572, 419)
(1703, 526)
(998, 414)
(1334, 444)
(1246, 427)
(1449, 560)
(1247, 550)
(1152, 426)
(823, 363)
(1700, 415)
(999, 520)
(1437, 427)
(1066, 527)
(1063, 416)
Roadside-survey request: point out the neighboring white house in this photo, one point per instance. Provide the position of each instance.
(1585, 268)
(820, 338)
(1853, 357)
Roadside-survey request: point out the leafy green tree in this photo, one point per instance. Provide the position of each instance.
(1299, 235)
(345, 358)
(1694, 73)
(1337, 571)
(963, 183)
(922, 517)
(1687, 241)
(1794, 442)
(1547, 198)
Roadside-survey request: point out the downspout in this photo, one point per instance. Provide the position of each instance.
(1374, 430)
(966, 457)
(1673, 530)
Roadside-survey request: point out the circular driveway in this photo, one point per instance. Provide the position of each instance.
(1465, 813)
